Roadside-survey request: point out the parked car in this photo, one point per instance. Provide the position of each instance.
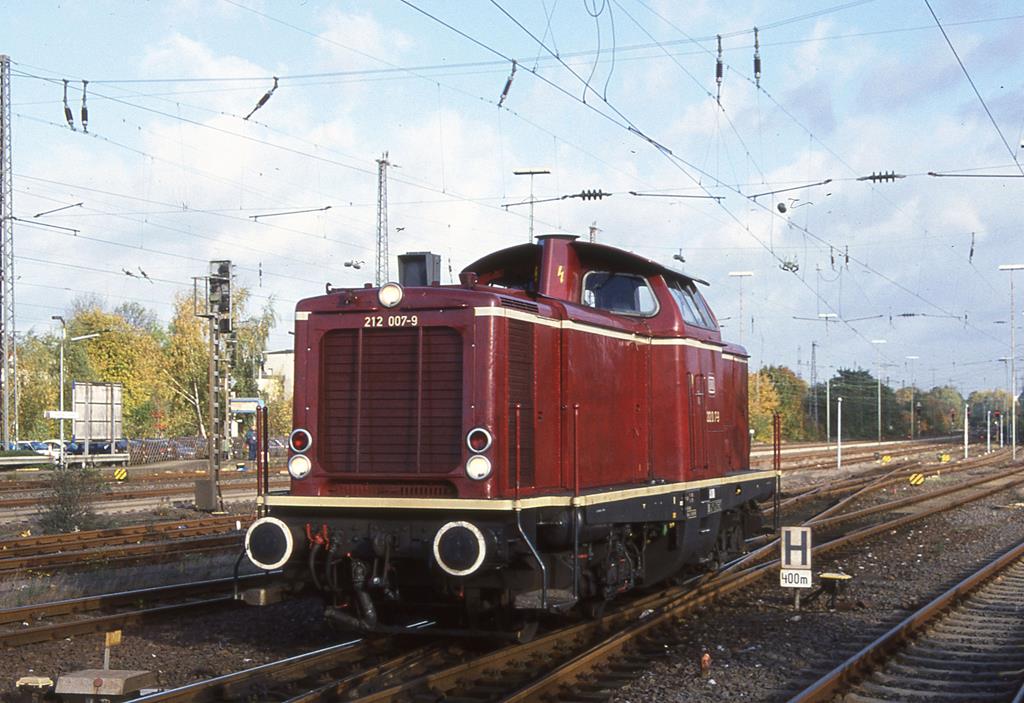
(33, 446)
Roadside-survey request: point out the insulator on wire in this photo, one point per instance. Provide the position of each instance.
(263, 100)
(508, 85)
(719, 71)
(85, 109)
(67, 110)
(757, 59)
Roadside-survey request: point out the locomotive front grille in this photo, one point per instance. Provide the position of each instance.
(392, 400)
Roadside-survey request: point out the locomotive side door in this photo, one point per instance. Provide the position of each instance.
(697, 384)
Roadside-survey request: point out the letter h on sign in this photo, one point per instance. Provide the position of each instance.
(796, 548)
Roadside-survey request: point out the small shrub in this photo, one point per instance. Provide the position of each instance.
(68, 503)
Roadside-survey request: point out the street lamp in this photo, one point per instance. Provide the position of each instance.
(1013, 355)
(878, 372)
(63, 334)
(63, 339)
(912, 357)
(741, 275)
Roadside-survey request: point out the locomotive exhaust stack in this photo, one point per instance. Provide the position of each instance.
(563, 426)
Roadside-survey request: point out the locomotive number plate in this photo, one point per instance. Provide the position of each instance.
(391, 321)
(714, 416)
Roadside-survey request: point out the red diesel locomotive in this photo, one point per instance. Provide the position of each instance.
(564, 425)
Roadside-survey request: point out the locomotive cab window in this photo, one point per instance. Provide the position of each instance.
(690, 304)
(623, 293)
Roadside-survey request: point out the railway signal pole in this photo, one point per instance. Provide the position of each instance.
(218, 310)
(8, 349)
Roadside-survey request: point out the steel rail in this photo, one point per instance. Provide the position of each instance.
(134, 534)
(575, 669)
(107, 496)
(646, 612)
(84, 604)
(881, 648)
(122, 552)
(571, 671)
(825, 522)
(240, 684)
(876, 484)
(403, 664)
(102, 623)
(222, 687)
(24, 486)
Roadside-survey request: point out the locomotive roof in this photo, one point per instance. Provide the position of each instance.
(525, 254)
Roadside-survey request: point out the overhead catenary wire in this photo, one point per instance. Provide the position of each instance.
(803, 228)
(992, 119)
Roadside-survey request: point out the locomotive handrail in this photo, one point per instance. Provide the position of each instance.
(575, 498)
(519, 520)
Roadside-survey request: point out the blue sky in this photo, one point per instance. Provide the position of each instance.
(169, 173)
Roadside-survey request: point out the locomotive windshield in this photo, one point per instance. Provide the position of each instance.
(690, 304)
(623, 293)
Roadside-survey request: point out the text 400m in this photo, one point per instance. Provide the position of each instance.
(391, 321)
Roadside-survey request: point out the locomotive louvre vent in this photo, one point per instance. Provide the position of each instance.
(517, 304)
(521, 391)
(392, 400)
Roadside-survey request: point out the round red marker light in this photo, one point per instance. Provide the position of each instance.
(300, 440)
(478, 440)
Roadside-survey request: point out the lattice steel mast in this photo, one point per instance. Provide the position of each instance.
(8, 350)
(382, 219)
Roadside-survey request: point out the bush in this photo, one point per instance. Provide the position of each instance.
(68, 503)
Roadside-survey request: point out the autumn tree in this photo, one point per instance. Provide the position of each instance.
(120, 353)
(185, 368)
(792, 392)
(764, 401)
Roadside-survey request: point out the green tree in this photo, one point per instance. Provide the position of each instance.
(988, 405)
(38, 389)
(942, 410)
(859, 391)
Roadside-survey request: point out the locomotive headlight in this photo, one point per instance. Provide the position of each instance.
(478, 467)
(390, 295)
(478, 440)
(299, 466)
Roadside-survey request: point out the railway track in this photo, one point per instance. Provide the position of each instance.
(35, 623)
(589, 660)
(140, 493)
(164, 539)
(966, 645)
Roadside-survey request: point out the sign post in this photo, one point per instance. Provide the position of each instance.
(796, 560)
(112, 639)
